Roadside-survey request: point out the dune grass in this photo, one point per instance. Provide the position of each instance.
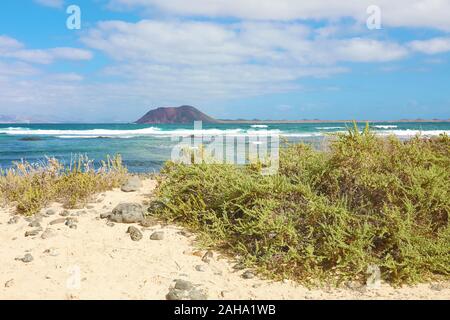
(31, 187)
(326, 216)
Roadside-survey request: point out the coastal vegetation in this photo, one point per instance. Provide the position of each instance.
(31, 187)
(327, 215)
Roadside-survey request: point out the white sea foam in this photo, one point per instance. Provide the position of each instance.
(152, 131)
(412, 133)
(385, 126)
(157, 132)
(16, 129)
(302, 135)
(259, 126)
(329, 128)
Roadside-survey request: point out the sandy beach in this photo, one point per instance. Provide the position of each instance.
(97, 259)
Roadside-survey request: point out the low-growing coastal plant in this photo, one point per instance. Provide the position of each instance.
(33, 186)
(329, 214)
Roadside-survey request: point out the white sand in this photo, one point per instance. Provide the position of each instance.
(112, 266)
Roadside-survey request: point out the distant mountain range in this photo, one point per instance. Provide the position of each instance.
(172, 115)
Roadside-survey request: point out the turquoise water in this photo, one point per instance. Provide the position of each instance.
(145, 148)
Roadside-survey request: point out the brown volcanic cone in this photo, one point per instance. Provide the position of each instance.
(183, 114)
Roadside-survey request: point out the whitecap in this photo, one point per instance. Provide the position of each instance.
(329, 128)
(385, 126)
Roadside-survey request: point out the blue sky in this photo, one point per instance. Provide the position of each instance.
(284, 59)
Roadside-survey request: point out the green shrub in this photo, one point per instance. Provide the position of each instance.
(325, 215)
(33, 186)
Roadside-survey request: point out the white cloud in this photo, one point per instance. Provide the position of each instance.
(12, 48)
(398, 13)
(51, 3)
(366, 50)
(204, 43)
(8, 43)
(17, 69)
(431, 46)
(198, 61)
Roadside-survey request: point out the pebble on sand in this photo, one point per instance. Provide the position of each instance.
(135, 234)
(181, 284)
(48, 233)
(132, 184)
(26, 258)
(200, 268)
(34, 224)
(32, 233)
(14, 220)
(65, 213)
(185, 290)
(208, 256)
(158, 235)
(52, 252)
(127, 213)
(248, 275)
(58, 221)
(50, 212)
(9, 283)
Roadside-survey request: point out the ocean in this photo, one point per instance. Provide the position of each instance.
(145, 148)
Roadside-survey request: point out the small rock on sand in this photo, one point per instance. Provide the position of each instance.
(26, 258)
(185, 290)
(127, 213)
(135, 234)
(181, 284)
(185, 233)
(200, 268)
(158, 235)
(9, 283)
(208, 256)
(105, 215)
(196, 294)
(50, 212)
(48, 233)
(58, 221)
(32, 233)
(248, 275)
(14, 220)
(52, 252)
(132, 184)
(69, 222)
(34, 224)
(148, 222)
(436, 287)
(65, 213)
(175, 294)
